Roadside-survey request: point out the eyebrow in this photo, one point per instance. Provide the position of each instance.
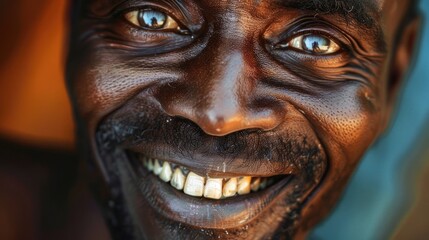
(357, 10)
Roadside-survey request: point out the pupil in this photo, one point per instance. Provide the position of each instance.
(152, 19)
(315, 43)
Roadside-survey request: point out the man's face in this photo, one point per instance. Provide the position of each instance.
(228, 119)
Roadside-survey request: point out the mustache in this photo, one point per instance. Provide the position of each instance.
(131, 126)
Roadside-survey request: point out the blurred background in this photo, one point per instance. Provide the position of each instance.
(42, 195)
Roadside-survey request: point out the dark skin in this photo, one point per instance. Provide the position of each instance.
(293, 89)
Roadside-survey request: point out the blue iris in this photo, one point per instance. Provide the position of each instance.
(315, 43)
(152, 19)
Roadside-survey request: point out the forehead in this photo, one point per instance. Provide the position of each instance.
(363, 11)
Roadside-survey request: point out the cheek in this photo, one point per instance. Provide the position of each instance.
(100, 86)
(350, 117)
(348, 120)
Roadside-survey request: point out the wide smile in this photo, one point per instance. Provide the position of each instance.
(184, 178)
(195, 185)
(221, 202)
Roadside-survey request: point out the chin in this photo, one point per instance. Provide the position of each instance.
(165, 178)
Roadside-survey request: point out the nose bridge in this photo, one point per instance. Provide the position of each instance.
(231, 84)
(224, 107)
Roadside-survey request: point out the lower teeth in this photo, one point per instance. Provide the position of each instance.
(194, 185)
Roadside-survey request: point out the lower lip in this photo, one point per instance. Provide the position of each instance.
(207, 213)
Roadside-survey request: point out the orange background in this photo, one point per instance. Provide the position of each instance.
(33, 101)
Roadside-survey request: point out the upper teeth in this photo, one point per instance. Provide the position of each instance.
(198, 186)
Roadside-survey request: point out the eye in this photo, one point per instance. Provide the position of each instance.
(314, 44)
(152, 19)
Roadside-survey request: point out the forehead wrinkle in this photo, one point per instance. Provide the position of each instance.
(364, 12)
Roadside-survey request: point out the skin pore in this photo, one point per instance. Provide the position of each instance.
(289, 91)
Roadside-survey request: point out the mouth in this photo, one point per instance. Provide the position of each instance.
(192, 184)
(222, 201)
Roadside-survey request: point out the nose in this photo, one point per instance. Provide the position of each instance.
(219, 94)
